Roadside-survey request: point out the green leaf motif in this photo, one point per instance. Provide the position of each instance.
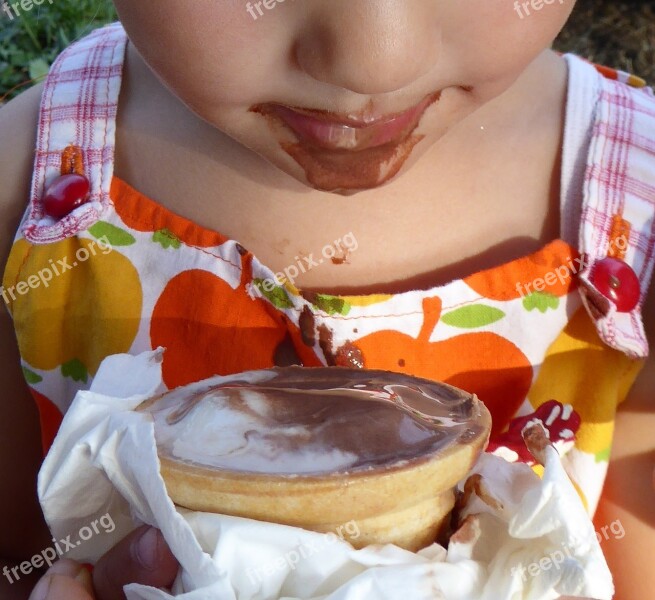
(541, 301)
(276, 295)
(75, 370)
(38, 68)
(112, 234)
(166, 239)
(31, 377)
(332, 305)
(470, 317)
(603, 455)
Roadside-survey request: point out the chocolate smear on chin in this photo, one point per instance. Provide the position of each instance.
(331, 170)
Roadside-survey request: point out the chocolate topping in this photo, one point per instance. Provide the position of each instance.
(304, 421)
(350, 355)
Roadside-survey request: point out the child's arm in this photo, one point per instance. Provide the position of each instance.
(628, 500)
(23, 532)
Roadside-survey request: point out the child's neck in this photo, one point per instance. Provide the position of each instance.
(479, 197)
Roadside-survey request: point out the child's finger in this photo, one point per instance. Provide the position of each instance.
(141, 557)
(65, 580)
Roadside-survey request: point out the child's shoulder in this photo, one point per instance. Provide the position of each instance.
(18, 128)
(20, 519)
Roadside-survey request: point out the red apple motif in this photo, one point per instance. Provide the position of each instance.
(483, 363)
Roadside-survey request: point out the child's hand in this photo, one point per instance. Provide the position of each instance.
(142, 557)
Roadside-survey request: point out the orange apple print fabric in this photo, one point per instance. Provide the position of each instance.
(516, 335)
(164, 281)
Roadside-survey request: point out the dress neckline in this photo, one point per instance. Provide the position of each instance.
(142, 213)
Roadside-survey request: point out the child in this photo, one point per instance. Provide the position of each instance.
(456, 200)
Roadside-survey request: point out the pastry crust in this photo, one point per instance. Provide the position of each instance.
(403, 502)
(405, 506)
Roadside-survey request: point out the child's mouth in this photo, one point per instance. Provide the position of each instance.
(347, 152)
(331, 131)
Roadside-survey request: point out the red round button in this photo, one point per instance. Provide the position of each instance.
(616, 280)
(65, 194)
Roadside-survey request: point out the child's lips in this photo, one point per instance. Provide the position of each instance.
(346, 153)
(331, 131)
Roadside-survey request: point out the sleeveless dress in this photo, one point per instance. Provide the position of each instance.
(532, 338)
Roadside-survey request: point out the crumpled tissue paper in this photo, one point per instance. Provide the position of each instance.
(521, 537)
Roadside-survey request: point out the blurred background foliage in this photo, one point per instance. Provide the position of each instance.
(618, 34)
(30, 42)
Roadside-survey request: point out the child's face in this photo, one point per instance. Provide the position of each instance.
(340, 93)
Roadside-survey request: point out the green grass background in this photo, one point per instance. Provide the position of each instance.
(618, 34)
(29, 43)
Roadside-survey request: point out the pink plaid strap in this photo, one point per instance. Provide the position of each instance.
(78, 108)
(619, 206)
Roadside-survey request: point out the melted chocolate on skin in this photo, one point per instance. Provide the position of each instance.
(332, 171)
(346, 171)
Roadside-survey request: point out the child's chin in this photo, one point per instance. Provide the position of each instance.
(346, 175)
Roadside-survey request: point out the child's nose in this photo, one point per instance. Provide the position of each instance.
(369, 46)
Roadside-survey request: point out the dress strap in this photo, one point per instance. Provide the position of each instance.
(78, 115)
(618, 208)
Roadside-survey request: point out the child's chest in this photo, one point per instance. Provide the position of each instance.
(453, 214)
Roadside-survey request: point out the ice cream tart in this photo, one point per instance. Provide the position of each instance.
(317, 448)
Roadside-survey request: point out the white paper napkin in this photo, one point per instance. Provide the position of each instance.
(524, 538)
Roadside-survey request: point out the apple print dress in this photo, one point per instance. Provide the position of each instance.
(538, 337)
